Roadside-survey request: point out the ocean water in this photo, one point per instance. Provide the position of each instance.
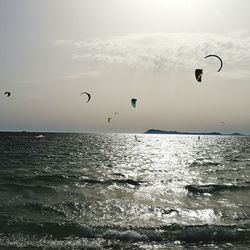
(111, 191)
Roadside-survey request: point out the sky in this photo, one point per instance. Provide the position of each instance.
(51, 51)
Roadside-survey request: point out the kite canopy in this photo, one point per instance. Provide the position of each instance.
(221, 62)
(133, 102)
(109, 119)
(89, 96)
(7, 93)
(198, 74)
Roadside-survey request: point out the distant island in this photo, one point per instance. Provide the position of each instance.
(157, 131)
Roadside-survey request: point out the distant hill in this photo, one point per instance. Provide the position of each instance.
(157, 131)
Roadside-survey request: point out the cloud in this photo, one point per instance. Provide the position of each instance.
(80, 75)
(63, 43)
(164, 51)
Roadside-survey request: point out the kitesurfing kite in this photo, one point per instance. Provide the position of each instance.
(198, 74)
(89, 96)
(133, 102)
(7, 94)
(109, 119)
(221, 62)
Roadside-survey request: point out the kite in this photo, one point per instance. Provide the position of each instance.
(7, 94)
(198, 74)
(89, 96)
(133, 102)
(221, 62)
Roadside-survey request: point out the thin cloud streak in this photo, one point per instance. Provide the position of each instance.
(80, 75)
(163, 52)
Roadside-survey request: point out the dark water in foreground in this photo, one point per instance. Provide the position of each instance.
(109, 191)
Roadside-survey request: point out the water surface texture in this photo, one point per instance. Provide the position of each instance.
(115, 191)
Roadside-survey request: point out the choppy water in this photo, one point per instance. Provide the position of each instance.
(95, 191)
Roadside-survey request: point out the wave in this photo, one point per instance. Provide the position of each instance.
(64, 179)
(204, 164)
(174, 232)
(112, 181)
(18, 187)
(212, 188)
(50, 209)
(43, 178)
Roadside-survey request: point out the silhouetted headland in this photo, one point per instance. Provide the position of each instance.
(157, 131)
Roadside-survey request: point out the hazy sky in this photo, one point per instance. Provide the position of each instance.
(52, 50)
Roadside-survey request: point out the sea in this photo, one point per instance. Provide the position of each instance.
(121, 191)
